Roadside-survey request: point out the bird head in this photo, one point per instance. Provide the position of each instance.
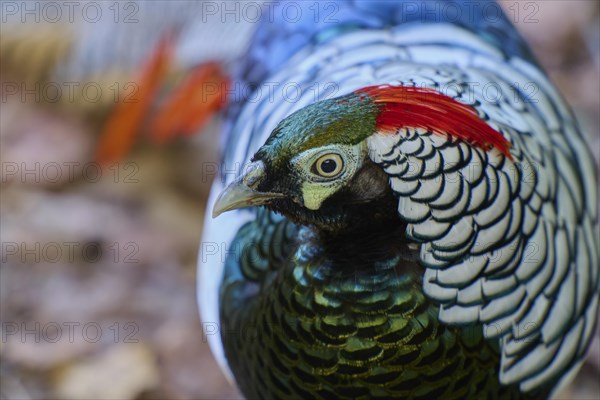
(315, 167)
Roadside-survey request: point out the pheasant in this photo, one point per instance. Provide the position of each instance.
(412, 222)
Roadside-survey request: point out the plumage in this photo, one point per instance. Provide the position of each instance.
(425, 247)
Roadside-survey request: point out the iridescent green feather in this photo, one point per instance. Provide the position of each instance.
(297, 324)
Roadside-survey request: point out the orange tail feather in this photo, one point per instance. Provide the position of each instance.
(121, 128)
(199, 96)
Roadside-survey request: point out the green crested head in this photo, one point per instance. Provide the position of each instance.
(346, 120)
(314, 167)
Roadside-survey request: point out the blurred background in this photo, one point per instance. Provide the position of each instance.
(100, 234)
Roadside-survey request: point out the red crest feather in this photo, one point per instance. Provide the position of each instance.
(407, 106)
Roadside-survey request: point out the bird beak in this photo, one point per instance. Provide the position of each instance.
(240, 193)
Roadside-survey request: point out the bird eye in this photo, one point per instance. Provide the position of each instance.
(328, 166)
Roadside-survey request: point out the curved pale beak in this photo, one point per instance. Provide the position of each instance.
(240, 193)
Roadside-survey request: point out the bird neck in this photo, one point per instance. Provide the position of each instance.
(364, 247)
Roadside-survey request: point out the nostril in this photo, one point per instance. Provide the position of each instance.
(251, 181)
(254, 174)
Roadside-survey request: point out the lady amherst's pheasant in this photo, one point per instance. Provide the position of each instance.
(414, 210)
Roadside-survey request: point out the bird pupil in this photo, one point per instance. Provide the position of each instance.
(328, 166)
